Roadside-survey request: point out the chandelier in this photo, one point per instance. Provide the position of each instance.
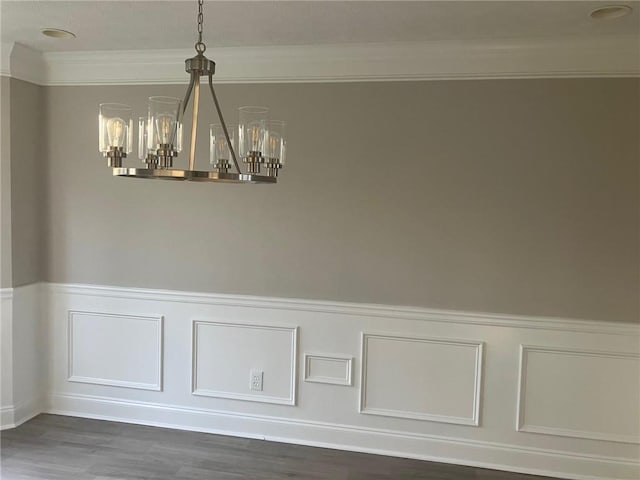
(259, 140)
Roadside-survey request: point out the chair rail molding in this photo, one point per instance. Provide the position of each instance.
(350, 309)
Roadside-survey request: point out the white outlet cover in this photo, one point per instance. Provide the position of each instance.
(255, 380)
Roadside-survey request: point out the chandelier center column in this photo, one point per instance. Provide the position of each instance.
(194, 124)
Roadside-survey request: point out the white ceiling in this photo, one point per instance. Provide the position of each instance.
(140, 25)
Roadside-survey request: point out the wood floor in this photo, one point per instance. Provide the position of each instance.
(63, 448)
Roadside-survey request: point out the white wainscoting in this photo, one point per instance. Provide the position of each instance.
(458, 365)
(579, 393)
(6, 358)
(224, 354)
(24, 352)
(421, 378)
(115, 349)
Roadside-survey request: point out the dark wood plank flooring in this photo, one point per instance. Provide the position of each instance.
(62, 448)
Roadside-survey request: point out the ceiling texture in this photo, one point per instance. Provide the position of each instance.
(141, 25)
(317, 40)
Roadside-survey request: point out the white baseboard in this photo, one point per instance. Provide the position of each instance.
(7, 417)
(481, 454)
(13, 416)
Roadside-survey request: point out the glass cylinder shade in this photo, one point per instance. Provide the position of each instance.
(218, 145)
(163, 126)
(142, 138)
(253, 130)
(115, 127)
(276, 148)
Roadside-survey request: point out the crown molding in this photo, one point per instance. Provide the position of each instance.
(5, 59)
(24, 63)
(523, 58)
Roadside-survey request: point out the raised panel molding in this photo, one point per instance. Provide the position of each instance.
(137, 342)
(473, 390)
(580, 396)
(291, 339)
(317, 361)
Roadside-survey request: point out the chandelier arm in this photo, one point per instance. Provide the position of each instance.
(194, 123)
(187, 96)
(224, 125)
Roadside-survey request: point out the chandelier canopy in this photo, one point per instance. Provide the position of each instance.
(260, 141)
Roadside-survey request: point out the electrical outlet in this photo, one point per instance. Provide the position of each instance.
(255, 380)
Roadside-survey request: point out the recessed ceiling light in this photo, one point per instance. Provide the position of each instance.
(57, 33)
(611, 11)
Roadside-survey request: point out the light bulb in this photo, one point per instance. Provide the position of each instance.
(164, 124)
(222, 148)
(274, 145)
(275, 141)
(252, 133)
(116, 130)
(255, 135)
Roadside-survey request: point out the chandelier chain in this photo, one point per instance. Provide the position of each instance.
(200, 46)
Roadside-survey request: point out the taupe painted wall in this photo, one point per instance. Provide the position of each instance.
(5, 183)
(499, 196)
(27, 182)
